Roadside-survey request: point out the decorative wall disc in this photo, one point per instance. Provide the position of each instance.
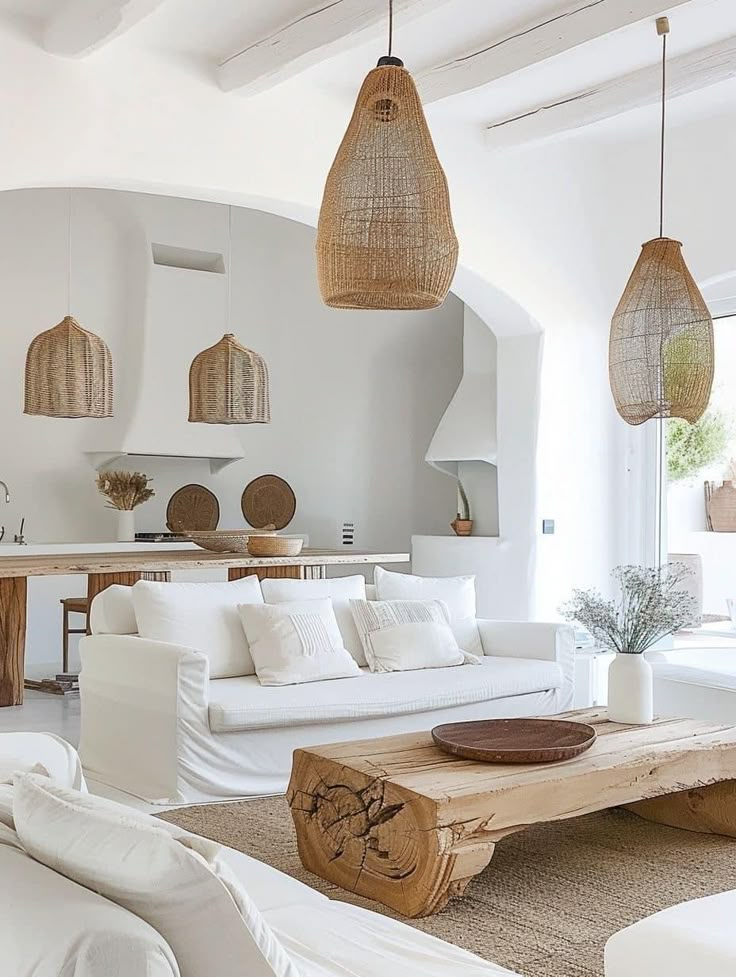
(268, 501)
(192, 507)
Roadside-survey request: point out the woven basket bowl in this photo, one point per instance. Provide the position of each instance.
(221, 540)
(274, 546)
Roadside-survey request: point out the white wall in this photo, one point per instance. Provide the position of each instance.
(355, 396)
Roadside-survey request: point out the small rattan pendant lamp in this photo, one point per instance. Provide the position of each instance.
(228, 383)
(385, 238)
(660, 354)
(68, 369)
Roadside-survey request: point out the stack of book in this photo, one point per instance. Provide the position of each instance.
(65, 683)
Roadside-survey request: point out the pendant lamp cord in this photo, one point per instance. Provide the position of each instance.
(664, 30)
(229, 265)
(69, 255)
(390, 26)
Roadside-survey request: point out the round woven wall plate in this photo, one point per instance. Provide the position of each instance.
(268, 501)
(192, 507)
(515, 740)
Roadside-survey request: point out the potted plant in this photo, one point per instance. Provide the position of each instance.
(651, 604)
(124, 491)
(462, 524)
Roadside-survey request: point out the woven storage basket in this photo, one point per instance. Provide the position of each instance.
(228, 384)
(660, 354)
(221, 540)
(385, 238)
(721, 507)
(68, 373)
(274, 546)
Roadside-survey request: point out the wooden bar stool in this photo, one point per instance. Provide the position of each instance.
(72, 605)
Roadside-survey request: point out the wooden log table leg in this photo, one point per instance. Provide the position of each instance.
(280, 572)
(13, 591)
(710, 809)
(371, 837)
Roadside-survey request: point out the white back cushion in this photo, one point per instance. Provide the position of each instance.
(458, 593)
(203, 616)
(297, 641)
(112, 611)
(175, 881)
(341, 590)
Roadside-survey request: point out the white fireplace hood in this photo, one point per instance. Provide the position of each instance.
(467, 431)
(183, 310)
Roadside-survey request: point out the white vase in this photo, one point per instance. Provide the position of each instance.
(126, 525)
(630, 697)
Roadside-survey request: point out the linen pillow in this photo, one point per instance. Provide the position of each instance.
(457, 592)
(402, 635)
(340, 590)
(175, 881)
(297, 641)
(203, 616)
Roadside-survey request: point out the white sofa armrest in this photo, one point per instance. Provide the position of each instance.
(136, 695)
(533, 639)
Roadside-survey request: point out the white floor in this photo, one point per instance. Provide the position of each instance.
(45, 714)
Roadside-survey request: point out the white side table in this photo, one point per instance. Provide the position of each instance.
(591, 677)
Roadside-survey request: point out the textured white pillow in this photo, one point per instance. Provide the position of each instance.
(457, 592)
(402, 635)
(340, 590)
(6, 805)
(175, 881)
(203, 616)
(296, 642)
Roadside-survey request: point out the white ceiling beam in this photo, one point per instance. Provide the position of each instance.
(688, 73)
(80, 27)
(576, 23)
(323, 31)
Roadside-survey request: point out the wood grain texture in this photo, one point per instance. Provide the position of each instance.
(400, 821)
(156, 561)
(12, 640)
(236, 573)
(710, 809)
(515, 740)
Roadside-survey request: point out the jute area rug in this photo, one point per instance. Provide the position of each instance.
(551, 896)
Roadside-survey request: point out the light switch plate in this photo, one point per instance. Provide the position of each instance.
(548, 526)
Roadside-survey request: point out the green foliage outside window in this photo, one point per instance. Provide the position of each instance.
(694, 447)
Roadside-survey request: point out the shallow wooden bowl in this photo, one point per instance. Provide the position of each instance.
(221, 540)
(274, 546)
(515, 740)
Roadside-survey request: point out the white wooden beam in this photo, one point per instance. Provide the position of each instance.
(79, 27)
(687, 73)
(576, 23)
(323, 31)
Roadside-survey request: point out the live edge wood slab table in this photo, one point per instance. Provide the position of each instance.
(400, 821)
(104, 569)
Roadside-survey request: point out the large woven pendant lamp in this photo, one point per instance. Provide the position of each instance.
(228, 383)
(385, 238)
(68, 369)
(661, 355)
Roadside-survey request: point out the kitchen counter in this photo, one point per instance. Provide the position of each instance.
(126, 563)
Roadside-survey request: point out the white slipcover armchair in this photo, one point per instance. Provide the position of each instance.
(155, 725)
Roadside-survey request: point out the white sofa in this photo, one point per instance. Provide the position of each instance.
(156, 726)
(698, 683)
(52, 927)
(694, 938)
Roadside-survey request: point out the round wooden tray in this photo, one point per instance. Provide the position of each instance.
(192, 507)
(515, 740)
(268, 501)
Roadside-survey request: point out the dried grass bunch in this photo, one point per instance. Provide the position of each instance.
(124, 490)
(652, 603)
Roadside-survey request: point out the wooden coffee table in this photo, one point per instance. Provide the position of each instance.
(399, 821)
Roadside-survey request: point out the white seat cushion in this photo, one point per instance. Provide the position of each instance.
(457, 592)
(203, 616)
(340, 590)
(714, 668)
(694, 939)
(174, 880)
(337, 940)
(243, 703)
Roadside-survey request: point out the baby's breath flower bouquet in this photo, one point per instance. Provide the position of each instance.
(652, 603)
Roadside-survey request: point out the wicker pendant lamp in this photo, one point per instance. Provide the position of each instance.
(68, 369)
(228, 383)
(661, 355)
(385, 238)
